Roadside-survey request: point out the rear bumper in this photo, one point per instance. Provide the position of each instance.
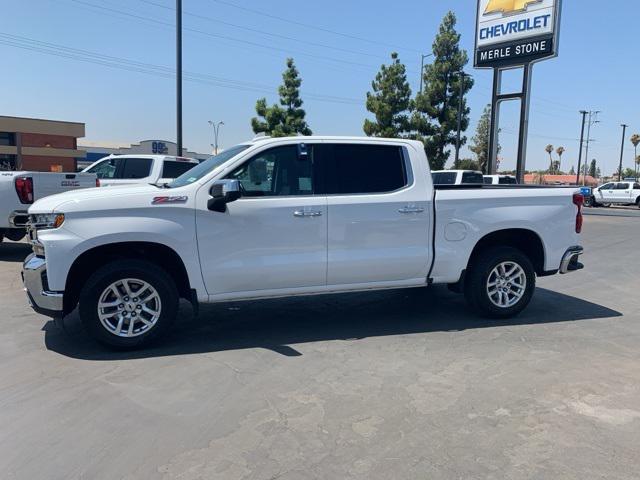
(34, 277)
(570, 259)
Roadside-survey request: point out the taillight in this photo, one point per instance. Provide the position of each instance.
(578, 201)
(97, 182)
(24, 189)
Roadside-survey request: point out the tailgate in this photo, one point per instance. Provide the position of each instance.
(45, 184)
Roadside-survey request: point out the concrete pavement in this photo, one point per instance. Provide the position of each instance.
(394, 385)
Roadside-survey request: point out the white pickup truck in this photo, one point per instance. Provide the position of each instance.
(18, 190)
(292, 216)
(117, 170)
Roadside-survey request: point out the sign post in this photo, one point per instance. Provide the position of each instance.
(514, 34)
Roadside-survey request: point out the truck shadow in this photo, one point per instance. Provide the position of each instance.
(14, 251)
(277, 324)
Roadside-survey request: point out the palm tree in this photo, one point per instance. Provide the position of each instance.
(635, 139)
(637, 165)
(560, 151)
(549, 150)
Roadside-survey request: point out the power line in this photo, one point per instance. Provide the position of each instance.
(263, 32)
(225, 37)
(151, 69)
(314, 27)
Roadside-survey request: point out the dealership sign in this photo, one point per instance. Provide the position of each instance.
(516, 32)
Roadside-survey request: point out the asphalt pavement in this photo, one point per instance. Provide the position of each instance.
(405, 384)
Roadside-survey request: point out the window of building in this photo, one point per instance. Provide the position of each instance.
(8, 162)
(7, 139)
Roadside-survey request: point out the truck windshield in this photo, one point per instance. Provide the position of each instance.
(199, 171)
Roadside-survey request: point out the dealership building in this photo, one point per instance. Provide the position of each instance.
(39, 145)
(96, 150)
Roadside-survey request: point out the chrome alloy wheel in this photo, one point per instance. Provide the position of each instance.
(506, 284)
(129, 308)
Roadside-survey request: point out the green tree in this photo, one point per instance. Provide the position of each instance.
(593, 168)
(466, 164)
(389, 102)
(572, 171)
(560, 151)
(288, 118)
(480, 141)
(435, 118)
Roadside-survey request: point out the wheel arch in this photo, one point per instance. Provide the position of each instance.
(89, 261)
(525, 240)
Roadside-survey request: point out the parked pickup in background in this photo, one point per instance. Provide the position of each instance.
(457, 177)
(117, 170)
(293, 216)
(18, 190)
(616, 193)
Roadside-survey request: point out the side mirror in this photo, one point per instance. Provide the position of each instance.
(223, 192)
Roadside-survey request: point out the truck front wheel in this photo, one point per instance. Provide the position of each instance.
(128, 303)
(500, 282)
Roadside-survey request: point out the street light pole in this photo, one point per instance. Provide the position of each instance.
(422, 69)
(179, 76)
(216, 132)
(460, 102)
(624, 132)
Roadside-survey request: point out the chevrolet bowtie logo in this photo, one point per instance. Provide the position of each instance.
(508, 6)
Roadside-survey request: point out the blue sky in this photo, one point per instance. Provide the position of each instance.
(237, 55)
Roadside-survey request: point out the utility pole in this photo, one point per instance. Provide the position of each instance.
(593, 119)
(584, 118)
(460, 102)
(216, 131)
(624, 132)
(422, 69)
(179, 76)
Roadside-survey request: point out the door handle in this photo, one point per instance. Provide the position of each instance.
(410, 209)
(307, 213)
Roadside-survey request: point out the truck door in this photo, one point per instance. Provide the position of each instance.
(379, 215)
(274, 237)
(622, 193)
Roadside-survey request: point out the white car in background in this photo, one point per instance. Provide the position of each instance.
(617, 193)
(457, 177)
(500, 180)
(117, 170)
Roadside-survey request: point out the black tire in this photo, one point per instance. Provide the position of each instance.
(638, 202)
(142, 270)
(477, 278)
(589, 202)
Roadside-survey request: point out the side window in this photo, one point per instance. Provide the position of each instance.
(607, 186)
(136, 168)
(445, 178)
(175, 168)
(636, 186)
(507, 181)
(106, 168)
(488, 181)
(278, 172)
(622, 186)
(362, 169)
(472, 177)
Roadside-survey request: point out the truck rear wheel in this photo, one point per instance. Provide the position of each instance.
(500, 282)
(128, 303)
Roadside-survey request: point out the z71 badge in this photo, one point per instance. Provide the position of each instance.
(168, 200)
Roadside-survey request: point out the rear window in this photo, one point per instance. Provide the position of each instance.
(136, 168)
(488, 180)
(444, 178)
(361, 169)
(472, 177)
(175, 168)
(507, 181)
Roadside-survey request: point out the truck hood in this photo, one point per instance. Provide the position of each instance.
(74, 200)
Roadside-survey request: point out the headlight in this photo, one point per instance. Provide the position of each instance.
(43, 221)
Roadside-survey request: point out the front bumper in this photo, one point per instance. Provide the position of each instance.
(34, 278)
(570, 261)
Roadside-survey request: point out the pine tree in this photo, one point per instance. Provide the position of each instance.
(593, 168)
(288, 118)
(389, 102)
(480, 141)
(436, 108)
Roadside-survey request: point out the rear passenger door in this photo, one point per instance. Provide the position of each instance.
(378, 215)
